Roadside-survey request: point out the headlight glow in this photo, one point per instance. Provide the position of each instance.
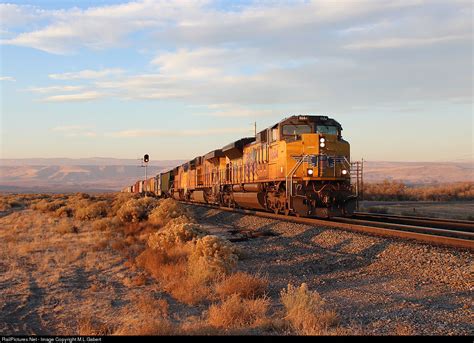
(322, 139)
(322, 145)
(310, 171)
(344, 172)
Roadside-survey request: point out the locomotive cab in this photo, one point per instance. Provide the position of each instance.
(310, 157)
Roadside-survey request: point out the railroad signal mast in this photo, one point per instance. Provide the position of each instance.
(146, 159)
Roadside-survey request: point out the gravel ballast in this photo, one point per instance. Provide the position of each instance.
(377, 285)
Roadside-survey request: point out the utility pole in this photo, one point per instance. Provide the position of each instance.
(362, 180)
(255, 129)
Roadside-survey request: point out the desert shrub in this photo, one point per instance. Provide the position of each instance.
(306, 310)
(167, 210)
(148, 326)
(175, 232)
(135, 210)
(65, 226)
(212, 257)
(237, 312)
(404, 330)
(396, 191)
(4, 205)
(104, 224)
(243, 284)
(170, 268)
(64, 211)
(48, 206)
(88, 326)
(92, 210)
(119, 200)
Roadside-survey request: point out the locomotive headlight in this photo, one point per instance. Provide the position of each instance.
(344, 172)
(322, 145)
(310, 171)
(322, 139)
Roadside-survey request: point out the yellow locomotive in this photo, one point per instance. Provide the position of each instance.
(300, 166)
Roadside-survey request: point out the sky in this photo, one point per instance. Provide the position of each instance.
(177, 79)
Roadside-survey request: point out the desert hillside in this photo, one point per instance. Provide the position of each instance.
(105, 174)
(419, 172)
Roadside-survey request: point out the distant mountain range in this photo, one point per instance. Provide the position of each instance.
(109, 174)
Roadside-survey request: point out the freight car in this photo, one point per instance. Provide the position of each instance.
(298, 166)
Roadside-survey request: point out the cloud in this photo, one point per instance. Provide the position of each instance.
(85, 96)
(404, 42)
(51, 89)
(229, 110)
(7, 78)
(74, 131)
(95, 28)
(325, 56)
(87, 74)
(154, 133)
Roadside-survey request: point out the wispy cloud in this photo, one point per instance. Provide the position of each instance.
(392, 43)
(7, 78)
(315, 53)
(74, 131)
(158, 133)
(51, 89)
(85, 96)
(87, 74)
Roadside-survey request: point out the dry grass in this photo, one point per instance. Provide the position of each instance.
(177, 231)
(65, 226)
(396, 191)
(147, 327)
(88, 326)
(187, 262)
(168, 210)
(211, 258)
(245, 285)
(92, 211)
(238, 312)
(306, 311)
(135, 210)
(104, 224)
(404, 330)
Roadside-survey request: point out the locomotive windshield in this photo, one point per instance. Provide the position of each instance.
(289, 130)
(327, 129)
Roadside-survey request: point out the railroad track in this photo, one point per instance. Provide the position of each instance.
(452, 233)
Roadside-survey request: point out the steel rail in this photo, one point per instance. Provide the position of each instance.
(429, 236)
(460, 225)
(414, 228)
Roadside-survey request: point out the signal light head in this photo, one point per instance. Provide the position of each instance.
(146, 158)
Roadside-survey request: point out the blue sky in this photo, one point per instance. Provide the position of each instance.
(177, 79)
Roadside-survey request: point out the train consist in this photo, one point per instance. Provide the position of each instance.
(299, 166)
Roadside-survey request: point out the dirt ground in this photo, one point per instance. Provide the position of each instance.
(54, 281)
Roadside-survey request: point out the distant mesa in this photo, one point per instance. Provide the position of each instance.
(100, 174)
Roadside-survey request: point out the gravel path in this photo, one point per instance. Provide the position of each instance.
(378, 285)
